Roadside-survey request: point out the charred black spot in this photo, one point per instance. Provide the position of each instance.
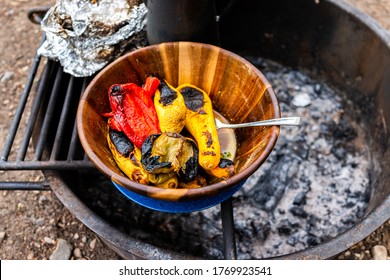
(149, 162)
(209, 137)
(191, 166)
(134, 160)
(115, 90)
(209, 153)
(167, 95)
(193, 98)
(225, 163)
(122, 144)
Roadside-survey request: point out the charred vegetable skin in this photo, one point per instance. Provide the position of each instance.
(170, 108)
(128, 158)
(170, 152)
(133, 110)
(200, 123)
(137, 115)
(224, 170)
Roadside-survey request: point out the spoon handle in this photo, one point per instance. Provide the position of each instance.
(289, 121)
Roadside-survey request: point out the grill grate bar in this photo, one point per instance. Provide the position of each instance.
(47, 164)
(44, 131)
(74, 142)
(25, 186)
(63, 121)
(20, 109)
(34, 112)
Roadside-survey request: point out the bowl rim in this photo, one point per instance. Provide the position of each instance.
(184, 194)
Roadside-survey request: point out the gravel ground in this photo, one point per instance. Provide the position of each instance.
(35, 225)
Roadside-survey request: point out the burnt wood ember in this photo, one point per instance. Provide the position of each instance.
(314, 186)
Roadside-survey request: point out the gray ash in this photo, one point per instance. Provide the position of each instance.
(313, 186)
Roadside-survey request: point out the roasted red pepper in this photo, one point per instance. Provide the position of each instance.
(133, 110)
(151, 85)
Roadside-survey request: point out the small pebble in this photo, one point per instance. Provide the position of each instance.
(30, 256)
(2, 236)
(62, 251)
(77, 253)
(48, 240)
(347, 253)
(76, 236)
(8, 75)
(379, 252)
(301, 100)
(40, 222)
(42, 199)
(357, 255)
(93, 244)
(20, 206)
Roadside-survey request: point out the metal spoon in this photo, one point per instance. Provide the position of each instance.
(289, 121)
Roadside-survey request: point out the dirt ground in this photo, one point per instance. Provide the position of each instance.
(33, 222)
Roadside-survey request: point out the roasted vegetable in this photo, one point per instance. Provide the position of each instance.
(196, 183)
(133, 111)
(150, 86)
(127, 156)
(166, 181)
(200, 123)
(224, 170)
(170, 152)
(170, 108)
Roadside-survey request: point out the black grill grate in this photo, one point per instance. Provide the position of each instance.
(51, 123)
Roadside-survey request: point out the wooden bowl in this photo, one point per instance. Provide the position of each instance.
(238, 90)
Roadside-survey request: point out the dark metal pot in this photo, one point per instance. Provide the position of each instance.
(345, 46)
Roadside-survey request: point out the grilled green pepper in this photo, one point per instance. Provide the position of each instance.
(170, 152)
(128, 158)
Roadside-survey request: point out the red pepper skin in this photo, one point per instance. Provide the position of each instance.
(132, 112)
(144, 101)
(118, 120)
(150, 86)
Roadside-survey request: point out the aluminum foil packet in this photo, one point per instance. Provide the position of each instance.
(85, 35)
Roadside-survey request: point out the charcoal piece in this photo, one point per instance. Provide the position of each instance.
(313, 240)
(344, 130)
(285, 227)
(339, 152)
(300, 199)
(298, 211)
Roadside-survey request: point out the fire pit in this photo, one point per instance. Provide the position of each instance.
(327, 63)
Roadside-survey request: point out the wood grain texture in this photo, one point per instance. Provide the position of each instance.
(238, 90)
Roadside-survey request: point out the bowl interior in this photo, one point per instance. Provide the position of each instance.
(238, 90)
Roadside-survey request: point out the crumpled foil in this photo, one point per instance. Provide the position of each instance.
(85, 35)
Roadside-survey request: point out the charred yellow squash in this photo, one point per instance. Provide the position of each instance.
(127, 156)
(224, 170)
(200, 123)
(196, 183)
(170, 108)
